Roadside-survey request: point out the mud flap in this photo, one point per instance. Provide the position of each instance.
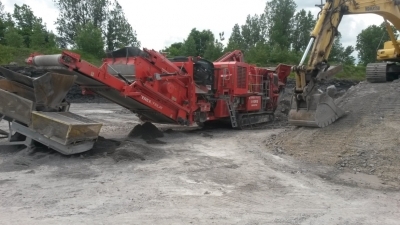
(321, 112)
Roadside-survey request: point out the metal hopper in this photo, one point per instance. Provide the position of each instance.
(35, 107)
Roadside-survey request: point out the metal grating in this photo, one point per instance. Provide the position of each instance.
(241, 77)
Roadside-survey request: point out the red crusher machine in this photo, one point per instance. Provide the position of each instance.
(179, 90)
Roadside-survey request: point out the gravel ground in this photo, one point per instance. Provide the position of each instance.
(342, 174)
(197, 177)
(362, 147)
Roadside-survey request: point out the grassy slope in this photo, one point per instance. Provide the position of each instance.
(18, 55)
(355, 73)
(352, 73)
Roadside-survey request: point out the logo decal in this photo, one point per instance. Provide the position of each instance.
(372, 8)
(151, 102)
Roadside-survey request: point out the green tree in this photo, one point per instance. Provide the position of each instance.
(281, 54)
(253, 31)
(174, 49)
(258, 54)
(201, 40)
(13, 38)
(25, 22)
(89, 39)
(106, 15)
(76, 14)
(248, 35)
(303, 23)
(3, 23)
(2, 12)
(189, 47)
(214, 49)
(50, 40)
(279, 14)
(263, 54)
(236, 40)
(119, 32)
(341, 54)
(198, 43)
(38, 37)
(28, 26)
(370, 40)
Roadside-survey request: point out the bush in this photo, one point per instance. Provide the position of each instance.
(11, 54)
(350, 72)
(89, 40)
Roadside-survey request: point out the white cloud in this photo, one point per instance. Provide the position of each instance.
(159, 23)
(41, 8)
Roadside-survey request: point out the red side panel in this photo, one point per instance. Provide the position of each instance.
(221, 110)
(232, 78)
(159, 85)
(253, 103)
(283, 72)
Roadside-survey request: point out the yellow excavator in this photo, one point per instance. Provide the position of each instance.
(310, 107)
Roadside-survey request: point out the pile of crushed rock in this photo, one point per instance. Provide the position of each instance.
(365, 140)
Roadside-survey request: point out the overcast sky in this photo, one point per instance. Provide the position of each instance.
(159, 23)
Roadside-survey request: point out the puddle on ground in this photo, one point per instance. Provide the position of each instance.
(363, 179)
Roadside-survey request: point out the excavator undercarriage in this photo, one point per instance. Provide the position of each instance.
(382, 72)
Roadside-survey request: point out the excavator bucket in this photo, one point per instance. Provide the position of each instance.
(321, 111)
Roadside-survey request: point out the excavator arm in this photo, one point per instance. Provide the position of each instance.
(310, 107)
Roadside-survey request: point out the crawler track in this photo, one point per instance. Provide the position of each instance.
(254, 120)
(376, 72)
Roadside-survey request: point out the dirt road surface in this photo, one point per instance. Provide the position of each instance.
(197, 177)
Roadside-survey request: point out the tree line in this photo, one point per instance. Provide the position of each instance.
(278, 35)
(89, 26)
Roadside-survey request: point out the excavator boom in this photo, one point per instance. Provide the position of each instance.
(309, 106)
